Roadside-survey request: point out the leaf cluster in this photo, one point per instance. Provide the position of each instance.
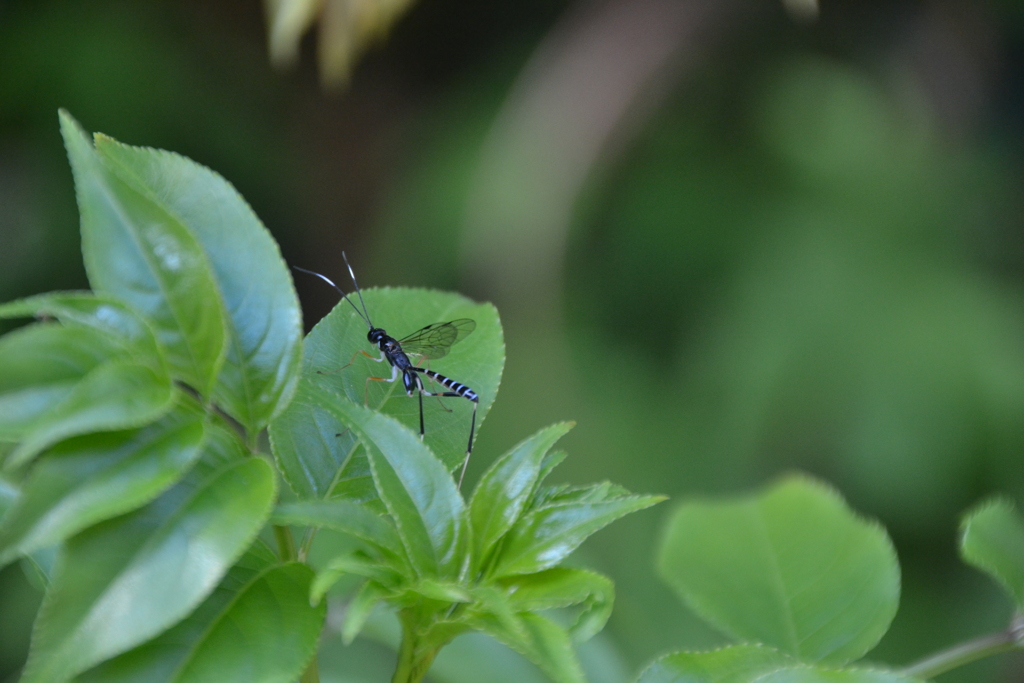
(807, 587)
(449, 567)
(126, 411)
(134, 493)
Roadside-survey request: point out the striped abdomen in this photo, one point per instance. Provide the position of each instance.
(450, 384)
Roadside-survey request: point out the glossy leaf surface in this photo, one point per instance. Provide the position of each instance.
(417, 489)
(792, 567)
(116, 395)
(313, 448)
(124, 581)
(505, 489)
(540, 640)
(267, 635)
(565, 587)
(264, 321)
(137, 252)
(992, 539)
(345, 516)
(40, 365)
(353, 565)
(354, 481)
(160, 659)
(548, 534)
(86, 480)
(100, 313)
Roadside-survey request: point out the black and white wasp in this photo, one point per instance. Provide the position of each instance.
(430, 343)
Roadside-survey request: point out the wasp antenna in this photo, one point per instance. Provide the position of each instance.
(358, 292)
(340, 291)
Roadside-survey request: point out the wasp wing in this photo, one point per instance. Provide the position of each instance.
(434, 341)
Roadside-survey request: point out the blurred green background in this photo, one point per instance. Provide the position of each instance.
(727, 240)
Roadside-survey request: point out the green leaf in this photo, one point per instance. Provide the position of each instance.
(9, 494)
(419, 494)
(809, 674)
(443, 630)
(313, 449)
(540, 640)
(137, 252)
(38, 567)
(792, 567)
(542, 493)
(505, 489)
(733, 664)
(351, 565)
(100, 313)
(354, 481)
(264, 321)
(547, 535)
(350, 518)
(992, 539)
(88, 479)
(222, 446)
(591, 493)
(126, 580)
(267, 635)
(159, 660)
(40, 365)
(359, 609)
(551, 461)
(441, 591)
(476, 361)
(116, 395)
(754, 664)
(492, 611)
(564, 587)
(417, 489)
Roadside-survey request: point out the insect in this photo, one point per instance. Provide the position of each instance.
(429, 343)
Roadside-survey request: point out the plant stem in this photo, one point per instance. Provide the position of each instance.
(286, 549)
(285, 543)
(965, 653)
(307, 543)
(412, 663)
(403, 671)
(252, 441)
(421, 666)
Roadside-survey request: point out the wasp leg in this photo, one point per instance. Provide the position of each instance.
(438, 396)
(472, 425)
(350, 361)
(366, 385)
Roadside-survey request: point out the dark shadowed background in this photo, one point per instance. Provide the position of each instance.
(727, 240)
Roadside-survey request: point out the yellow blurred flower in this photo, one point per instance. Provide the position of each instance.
(347, 28)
